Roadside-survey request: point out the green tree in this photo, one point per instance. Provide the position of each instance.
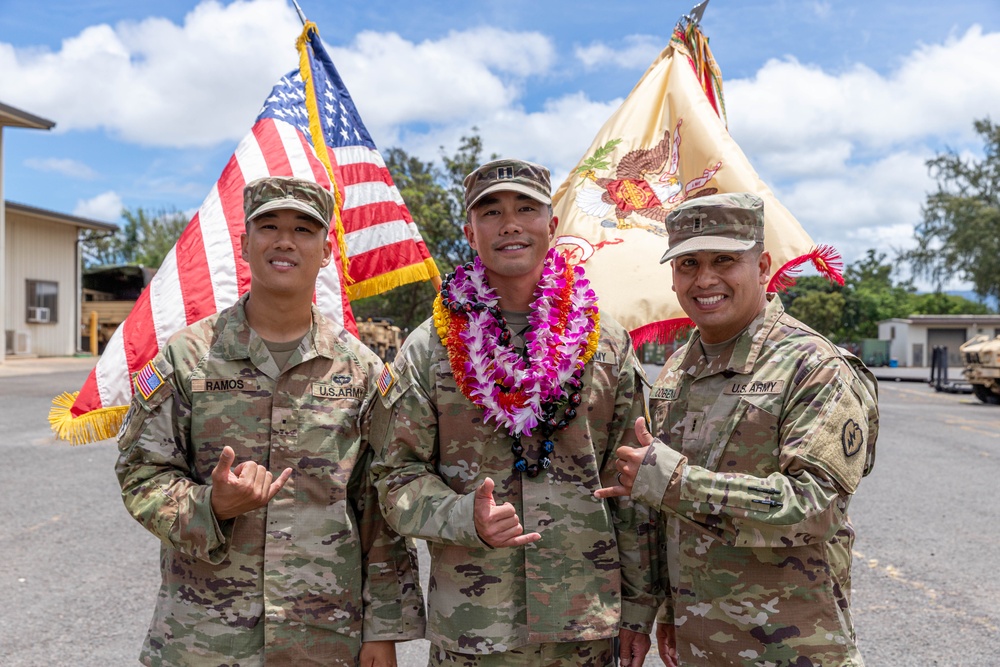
(960, 232)
(435, 197)
(939, 303)
(100, 248)
(144, 239)
(870, 295)
(823, 311)
(818, 303)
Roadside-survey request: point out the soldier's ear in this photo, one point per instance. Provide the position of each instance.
(470, 235)
(764, 264)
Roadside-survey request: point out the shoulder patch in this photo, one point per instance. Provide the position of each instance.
(851, 437)
(147, 380)
(385, 380)
(126, 421)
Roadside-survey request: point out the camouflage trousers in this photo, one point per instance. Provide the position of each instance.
(598, 653)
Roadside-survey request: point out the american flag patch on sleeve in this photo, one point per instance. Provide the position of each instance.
(385, 380)
(147, 380)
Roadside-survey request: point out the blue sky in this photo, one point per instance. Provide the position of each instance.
(837, 104)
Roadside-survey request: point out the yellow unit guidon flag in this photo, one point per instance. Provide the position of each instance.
(667, 143)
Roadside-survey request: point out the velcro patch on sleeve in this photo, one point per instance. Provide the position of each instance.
(333, 390)
(201, 385)
(147, 380)
(385, 380)
(838, 436)
(754, 388)
(663, 393)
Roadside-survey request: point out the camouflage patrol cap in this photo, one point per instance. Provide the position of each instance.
(273, 193)
(729, 222)
(527, 178)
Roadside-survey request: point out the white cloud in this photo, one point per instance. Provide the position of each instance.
(822, 10)
(64, 166)
(106, 206)
(636, 52)
(555, 136)
(799, 119)
(874, 205)
(157, 83)
(846, 152)
(464, 75)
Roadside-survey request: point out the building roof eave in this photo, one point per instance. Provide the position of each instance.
(62, 218)
(13, 117)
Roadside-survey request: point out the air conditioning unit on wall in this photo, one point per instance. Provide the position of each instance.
(39, 315)
(18, 342)
(22, 342)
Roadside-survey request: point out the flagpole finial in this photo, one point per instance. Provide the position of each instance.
(691, 18)
(302, 17)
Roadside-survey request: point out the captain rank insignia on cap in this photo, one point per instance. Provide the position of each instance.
(147, 380)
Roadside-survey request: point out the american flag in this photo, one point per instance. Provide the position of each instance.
(204, 272)
(148, 380)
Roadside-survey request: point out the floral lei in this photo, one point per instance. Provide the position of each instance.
(520, 393)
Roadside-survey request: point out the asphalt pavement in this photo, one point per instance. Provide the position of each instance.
(78, 577)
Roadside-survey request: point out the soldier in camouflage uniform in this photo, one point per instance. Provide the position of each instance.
(294, 570)
(763, 431)
(527, 568)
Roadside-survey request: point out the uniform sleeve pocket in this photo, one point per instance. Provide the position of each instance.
(384, 591)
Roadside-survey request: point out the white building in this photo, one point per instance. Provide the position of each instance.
(912, 339)
(40, 264)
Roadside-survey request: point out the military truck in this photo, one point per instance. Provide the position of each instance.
(381, 336)
(111, 292)
(981, 356)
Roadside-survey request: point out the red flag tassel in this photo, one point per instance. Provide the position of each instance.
(664, 331)
(825, 258)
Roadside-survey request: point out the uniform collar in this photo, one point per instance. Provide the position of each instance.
(238, 341)
(741, 357)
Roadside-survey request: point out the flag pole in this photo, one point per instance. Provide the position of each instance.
(692, 18)
(435, 280)
(302, 17)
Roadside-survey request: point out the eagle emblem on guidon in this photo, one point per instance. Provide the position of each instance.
(644, 183)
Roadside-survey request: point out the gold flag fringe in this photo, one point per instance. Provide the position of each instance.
(92, 426)
(408, 274)
(319, 144)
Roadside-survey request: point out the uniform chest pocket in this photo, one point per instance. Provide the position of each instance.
(601, 386)
(752, 444)
(330, 424)
(325, 449)
(236, 417)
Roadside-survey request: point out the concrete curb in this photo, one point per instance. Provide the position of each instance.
(19, 366)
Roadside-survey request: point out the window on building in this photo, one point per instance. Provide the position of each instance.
(42, 301)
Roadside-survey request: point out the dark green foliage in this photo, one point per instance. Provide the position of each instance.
(144, 239)
(960, 233)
